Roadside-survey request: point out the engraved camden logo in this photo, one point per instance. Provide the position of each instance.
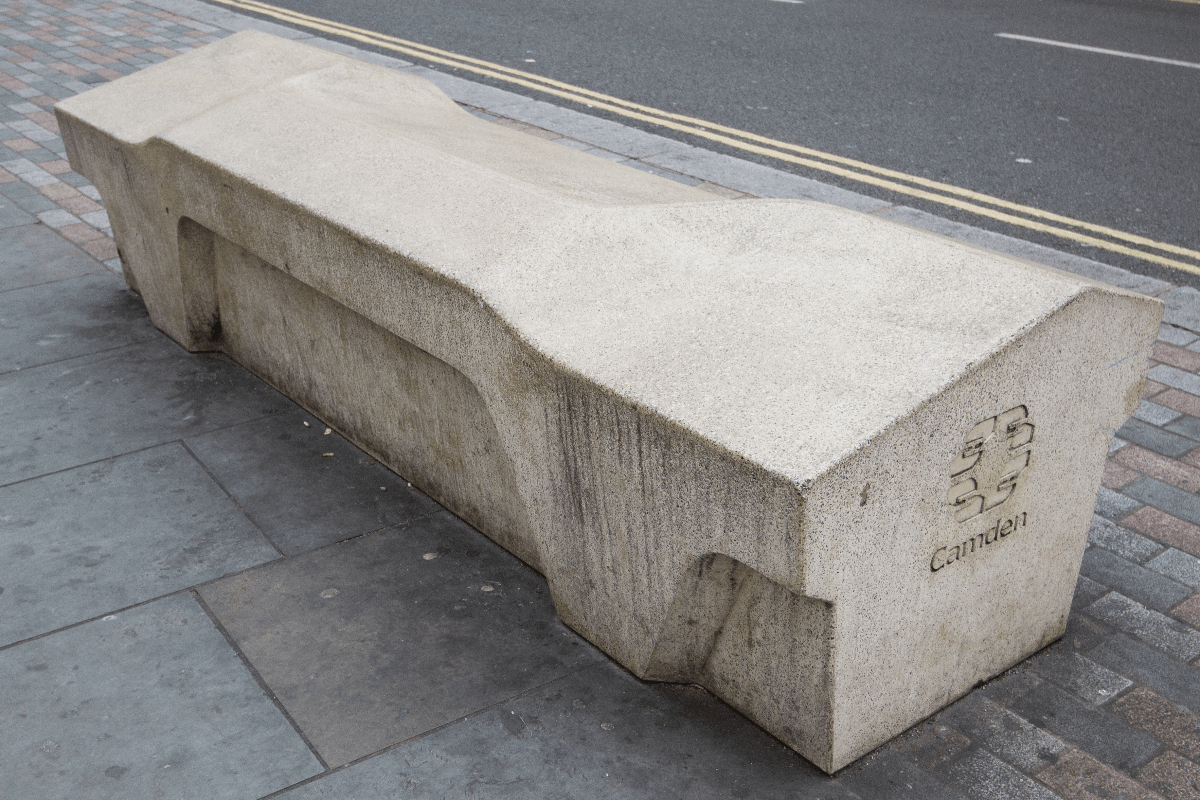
(994, 454)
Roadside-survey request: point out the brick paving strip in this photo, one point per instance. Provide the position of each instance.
(1112, 711)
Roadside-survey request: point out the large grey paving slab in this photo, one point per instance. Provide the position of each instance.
(55, 321)
(1183, 308)
(598, 733)
(33, 254)
(151, 702)
(79, 543)
(26, 197)
(886, 775)
(93, 407)
(278, 471)
(369, 642)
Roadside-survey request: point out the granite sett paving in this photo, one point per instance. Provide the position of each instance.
(196, 601)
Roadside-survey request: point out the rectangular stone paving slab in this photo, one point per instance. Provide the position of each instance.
(598, 733)
(34, 254)
(304, 488)
(108, 535)
(151, 702)
(68, 318)
(834, 468)
(387, 636)
(101, 405)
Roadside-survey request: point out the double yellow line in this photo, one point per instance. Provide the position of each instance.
(914, 186)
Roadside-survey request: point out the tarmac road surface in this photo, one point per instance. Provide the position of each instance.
(924, 87)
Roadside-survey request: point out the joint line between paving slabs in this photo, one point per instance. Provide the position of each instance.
(406, 522)
(447, 724)
(262, 684)
(212, 476)
(89, 464)
(122, 610)
(70, 358)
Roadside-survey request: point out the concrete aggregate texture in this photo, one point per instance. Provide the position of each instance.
(196, 601)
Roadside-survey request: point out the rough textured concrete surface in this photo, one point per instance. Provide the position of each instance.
(836, 469)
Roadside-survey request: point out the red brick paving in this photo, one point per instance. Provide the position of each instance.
(1153, 388)
(1116, 476)
(1173, 777)
(1078, 776)
(58, 191)
(56, 167)
(20, 145)
(1138, 459)
(1165, 528)
(80, 232)
(1180, 401)
(1188, 611)
(79, 204)
(102, 248)
(1175, 726)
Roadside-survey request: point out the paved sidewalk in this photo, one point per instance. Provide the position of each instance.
(206, 593)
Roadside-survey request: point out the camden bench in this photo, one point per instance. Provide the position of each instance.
(835, 469)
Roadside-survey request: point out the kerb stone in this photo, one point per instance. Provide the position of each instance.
(836, 469)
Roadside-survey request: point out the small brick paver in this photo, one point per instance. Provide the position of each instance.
(1177, 356)
(1175, 399)
(1188, 611)
(1110, 711)
(1175, 778)
(1176, 502)
(1158, 524)
(1122, 541)
(1079, 776)
(1117, 476)
(1132, 580)
(1155, 438)
(1135, 459)
(1173, 725)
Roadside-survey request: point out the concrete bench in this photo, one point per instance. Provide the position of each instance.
(835, 469)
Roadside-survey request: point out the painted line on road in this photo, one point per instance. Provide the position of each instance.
(1105, 51)
(862, 172)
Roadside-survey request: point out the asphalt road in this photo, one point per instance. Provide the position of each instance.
(923, 86)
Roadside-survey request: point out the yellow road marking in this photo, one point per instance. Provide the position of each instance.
(754, 143)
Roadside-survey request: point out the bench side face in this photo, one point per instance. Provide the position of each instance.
(413, 412)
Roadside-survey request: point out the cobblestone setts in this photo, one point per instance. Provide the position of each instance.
(1111, 711)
